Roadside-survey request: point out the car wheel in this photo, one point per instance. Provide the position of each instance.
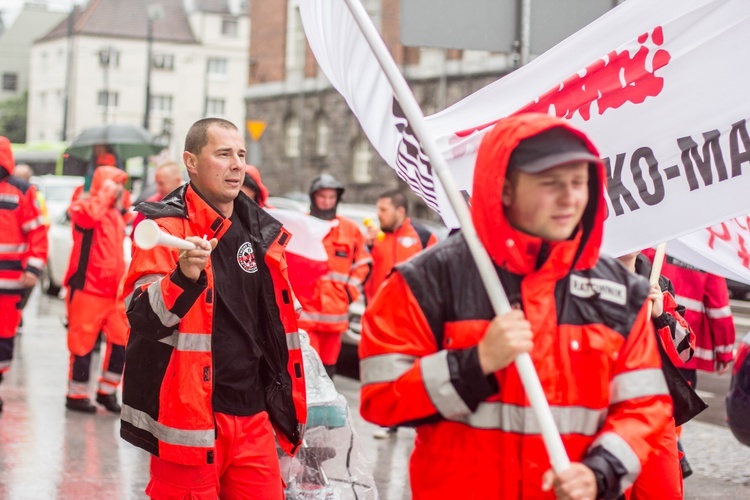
(47, 286)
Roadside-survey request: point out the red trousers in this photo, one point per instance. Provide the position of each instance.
(328, 345)
(10, 316)
(246, 465)
(661, 476)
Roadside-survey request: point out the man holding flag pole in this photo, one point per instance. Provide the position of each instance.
(442, 361)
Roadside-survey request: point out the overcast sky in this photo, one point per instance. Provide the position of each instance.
(10, 8)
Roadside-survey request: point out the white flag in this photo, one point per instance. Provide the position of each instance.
(660, 87)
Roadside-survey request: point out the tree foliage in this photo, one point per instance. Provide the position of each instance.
(13, 118)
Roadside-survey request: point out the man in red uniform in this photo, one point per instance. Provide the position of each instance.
(443, 362)
(97, 264)
(398, 239)
(394, 242)
(213, 360)
(23, 250)
(325, 314)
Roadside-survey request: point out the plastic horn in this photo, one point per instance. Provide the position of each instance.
(148, 235)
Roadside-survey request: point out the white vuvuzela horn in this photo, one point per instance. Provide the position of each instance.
(148, 235)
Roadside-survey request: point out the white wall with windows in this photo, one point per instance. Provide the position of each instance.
(188, 82)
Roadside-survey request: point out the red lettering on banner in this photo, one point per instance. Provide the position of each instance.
(610, 82)
(739, 222)
(724, 236)
(742, 253)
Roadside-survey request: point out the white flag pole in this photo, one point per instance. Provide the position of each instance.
(529, 378)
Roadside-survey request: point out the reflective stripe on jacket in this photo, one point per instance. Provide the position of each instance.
(168, 378)
(349, 266)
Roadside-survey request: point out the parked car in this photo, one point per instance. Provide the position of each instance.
(738, 398)
(57, 191)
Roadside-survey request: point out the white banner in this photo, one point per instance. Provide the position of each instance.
(660, 87)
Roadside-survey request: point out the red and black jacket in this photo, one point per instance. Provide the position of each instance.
(594, 350)
(168, 377)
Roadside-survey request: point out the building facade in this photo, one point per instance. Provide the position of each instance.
(97, 60)
(309, 127)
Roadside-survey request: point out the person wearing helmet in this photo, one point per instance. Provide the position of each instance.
(325, 314)
(23, 250)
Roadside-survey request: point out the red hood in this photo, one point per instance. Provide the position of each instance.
(105, 172)
(6, 156)
(507, 246)
(254, 173)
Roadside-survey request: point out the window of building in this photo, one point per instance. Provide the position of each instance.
(322, 134)
(217, 66)
(161, 103)
(109, 57)
(215, 107)
(361, 161)
(295, 41)
(108, 99)
(163, 61)
(292, 137)
(229, 27)
(10, 82)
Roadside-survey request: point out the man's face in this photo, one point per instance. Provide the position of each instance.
(325, 199)
(548, 204)
(390, 217)
(166, 181)
(218, 170)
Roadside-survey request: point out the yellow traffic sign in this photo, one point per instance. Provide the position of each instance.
(255, 128)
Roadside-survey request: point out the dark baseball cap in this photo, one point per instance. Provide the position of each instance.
(551, 148)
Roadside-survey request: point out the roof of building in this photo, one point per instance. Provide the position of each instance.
(129, 19)
(33, 21)
(223, 6)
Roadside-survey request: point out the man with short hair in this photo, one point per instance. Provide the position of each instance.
(435, 356)
(325, 314)
(397, 239)
(23, 250)
(213, 362)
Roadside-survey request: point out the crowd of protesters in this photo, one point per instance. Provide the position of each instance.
(205, 343)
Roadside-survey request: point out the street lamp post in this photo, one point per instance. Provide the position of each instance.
(105, 59)
(155, 11)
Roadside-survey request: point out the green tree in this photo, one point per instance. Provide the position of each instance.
(13, 118)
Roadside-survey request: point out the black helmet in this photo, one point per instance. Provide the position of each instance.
(326, 181)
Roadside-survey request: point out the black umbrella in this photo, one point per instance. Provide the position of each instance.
(126, 141)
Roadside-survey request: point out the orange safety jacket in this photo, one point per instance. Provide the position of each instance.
(168, 381)
(97, 261)
(397, 246)
(594, 350)
(349, 266)
(23, 238)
